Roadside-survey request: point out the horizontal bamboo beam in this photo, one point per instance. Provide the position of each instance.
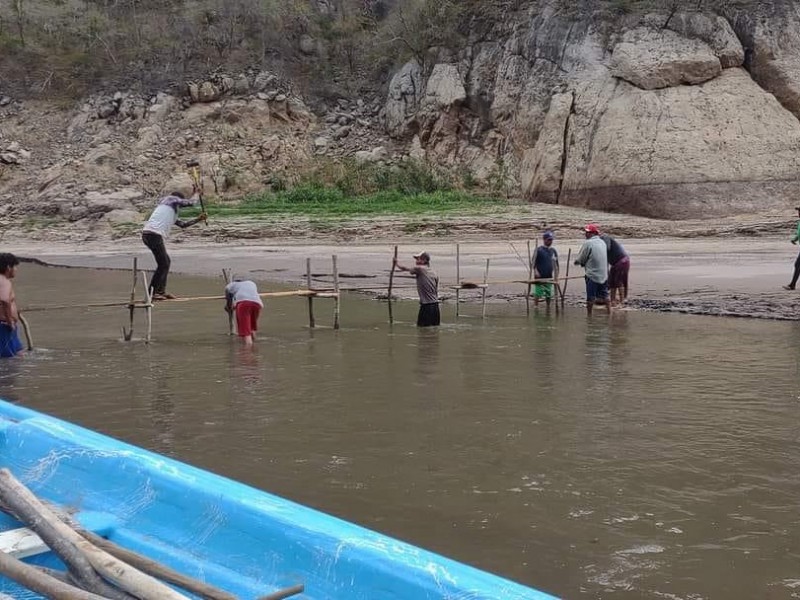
(300, 293)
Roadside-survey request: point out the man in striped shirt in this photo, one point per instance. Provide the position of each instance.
(155, 233)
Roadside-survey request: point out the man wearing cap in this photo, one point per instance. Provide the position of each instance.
(593, 256)
(795, 240)
(545, 266)
(619, 267)
(427, 288)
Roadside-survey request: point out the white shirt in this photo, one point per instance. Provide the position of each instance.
(162, 220)
(243, 290)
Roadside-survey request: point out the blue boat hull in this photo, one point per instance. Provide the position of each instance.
(240, 539)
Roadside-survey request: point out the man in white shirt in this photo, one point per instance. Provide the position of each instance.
(155, 233)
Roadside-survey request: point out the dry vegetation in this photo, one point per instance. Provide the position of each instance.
(66, 48)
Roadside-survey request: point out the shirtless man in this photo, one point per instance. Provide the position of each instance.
(10, 344)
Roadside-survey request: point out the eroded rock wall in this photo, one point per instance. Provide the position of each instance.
(671, 115)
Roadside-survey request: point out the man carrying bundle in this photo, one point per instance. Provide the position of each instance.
(427, 288)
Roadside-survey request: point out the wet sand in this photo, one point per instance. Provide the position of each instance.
(731, 276)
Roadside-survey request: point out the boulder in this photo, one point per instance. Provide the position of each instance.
(719, 148)
(444, 88)
(652, 59)
(103, 202)
(405, 94)
(120, 216)
(241, 85)
(208, 92)
(161, 108)
(179, 182)
(715, 31)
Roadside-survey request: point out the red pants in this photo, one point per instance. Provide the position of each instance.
(247, 313)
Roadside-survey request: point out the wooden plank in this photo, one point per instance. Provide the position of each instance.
(22, 543)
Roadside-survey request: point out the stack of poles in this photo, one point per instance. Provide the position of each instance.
(97, 568)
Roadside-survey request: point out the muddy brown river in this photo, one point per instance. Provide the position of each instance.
(645, 456)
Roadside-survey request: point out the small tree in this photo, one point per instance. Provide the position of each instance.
(418, 25)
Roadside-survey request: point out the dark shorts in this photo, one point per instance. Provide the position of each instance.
(618, 275)
(9, 342)
(428, 315)
(596, 291)
(247, 313)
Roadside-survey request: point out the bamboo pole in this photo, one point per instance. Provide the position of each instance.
(458, 277)
(148, 307)
(391, 284)
(226, 274)
(310, 298)
(151, 567)
(128, 335)
(530, 277)
(284, 593)
(483, 295)
(114, 570)
(336, 300)
(26, 328)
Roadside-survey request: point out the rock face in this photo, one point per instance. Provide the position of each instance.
(654, 114)
(657, 59)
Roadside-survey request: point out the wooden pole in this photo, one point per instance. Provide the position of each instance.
(32, 579)
(148, 307)
(391, 284)
(156, 569)
(566, 277)
(458, 277)
(27, 329)
(284, 593)
(486, 285)
(310, 298)
(128, 335)
(226, 274)
(114, 570)
(528, 285)
(18, 500)
(335, 291)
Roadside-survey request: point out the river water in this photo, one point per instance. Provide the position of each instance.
(645, 456)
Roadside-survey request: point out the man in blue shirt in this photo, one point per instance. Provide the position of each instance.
(545, 266)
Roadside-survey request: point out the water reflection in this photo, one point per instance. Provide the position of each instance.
(552, 449)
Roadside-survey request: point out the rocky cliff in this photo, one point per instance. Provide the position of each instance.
(665, 113)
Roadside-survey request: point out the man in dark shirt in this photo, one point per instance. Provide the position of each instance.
(427, 288)
(619, 266)
(545, 266)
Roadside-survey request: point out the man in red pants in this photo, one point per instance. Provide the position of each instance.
(241, 296)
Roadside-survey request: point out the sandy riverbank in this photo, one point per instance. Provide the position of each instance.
(732, 276)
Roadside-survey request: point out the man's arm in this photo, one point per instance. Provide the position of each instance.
(583, 255)
(556, 267)
(404, 268)
(184, 224)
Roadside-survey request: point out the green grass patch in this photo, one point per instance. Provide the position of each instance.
(319, 201)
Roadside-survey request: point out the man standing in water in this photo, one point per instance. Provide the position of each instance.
(620, 264)
(795, 240)
(155, 233)
(10, 345)
(545, 266)
(241, 298)
(593, 256)
(427, 288)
